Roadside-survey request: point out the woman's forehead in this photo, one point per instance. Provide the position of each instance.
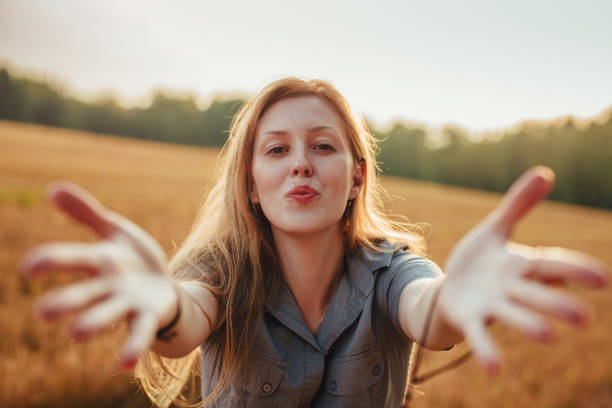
(300, 112)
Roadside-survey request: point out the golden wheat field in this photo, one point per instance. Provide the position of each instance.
(159, 186)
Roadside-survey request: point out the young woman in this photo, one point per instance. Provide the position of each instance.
(293, 287)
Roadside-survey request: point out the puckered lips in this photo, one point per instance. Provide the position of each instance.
(303, 194)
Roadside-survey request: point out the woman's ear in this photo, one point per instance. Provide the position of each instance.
(358, 177)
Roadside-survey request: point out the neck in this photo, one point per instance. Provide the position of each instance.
(312, 266)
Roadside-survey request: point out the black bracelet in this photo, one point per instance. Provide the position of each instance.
(166, 333)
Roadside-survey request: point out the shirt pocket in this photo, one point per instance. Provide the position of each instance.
(257, 385)
(355, 380)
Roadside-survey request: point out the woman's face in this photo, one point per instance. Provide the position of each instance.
(302, 170)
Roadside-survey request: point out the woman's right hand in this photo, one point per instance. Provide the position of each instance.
(127, 268)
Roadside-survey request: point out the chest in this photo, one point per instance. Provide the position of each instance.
(288, 369)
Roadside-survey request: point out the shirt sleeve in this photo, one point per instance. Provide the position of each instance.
(405, 267)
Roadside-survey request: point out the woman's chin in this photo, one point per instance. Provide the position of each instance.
(305, 227)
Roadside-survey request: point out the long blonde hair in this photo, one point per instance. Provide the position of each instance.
(230, 248)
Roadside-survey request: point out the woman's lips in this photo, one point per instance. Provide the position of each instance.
(303, 197)
(303, 194)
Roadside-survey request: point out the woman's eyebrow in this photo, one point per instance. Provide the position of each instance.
(309, 130)
(320, 128)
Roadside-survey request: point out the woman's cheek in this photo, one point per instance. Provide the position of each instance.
(336, 173)
(268, 178)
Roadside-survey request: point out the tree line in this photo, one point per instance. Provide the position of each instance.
(581, 155)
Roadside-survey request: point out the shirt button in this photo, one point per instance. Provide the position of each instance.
(333, 386)
(267, 387)
(376, 370)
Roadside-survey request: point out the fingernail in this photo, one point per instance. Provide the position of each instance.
(555, 283)
(547, 335)
(576, 316)
(26, 266)
(47, 313)
(596, 281)
(37, 265)
(79, 333)
(129, 363)
(44, 309)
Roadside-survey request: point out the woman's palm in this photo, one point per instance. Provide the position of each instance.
(127, 268)
(490, 278)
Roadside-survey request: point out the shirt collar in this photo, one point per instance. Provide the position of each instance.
(364, 262)
(347, 303)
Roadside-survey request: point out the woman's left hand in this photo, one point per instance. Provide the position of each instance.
(489, 278)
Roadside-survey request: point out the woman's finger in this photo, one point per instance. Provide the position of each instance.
(521, 319)
(99, 317)
(82, 206)
(65, 256)
(553, 263)
(549, 301)
(482, 346)
(73, 298)
(86, 209)
(142, 333)
(531, 187)
(147, 247)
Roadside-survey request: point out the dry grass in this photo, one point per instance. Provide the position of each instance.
(159, 186)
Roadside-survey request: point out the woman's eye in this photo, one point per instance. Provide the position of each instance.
(276, 150)
(324, 146)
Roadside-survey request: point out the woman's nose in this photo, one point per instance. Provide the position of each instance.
(302, 166)
(305, 171)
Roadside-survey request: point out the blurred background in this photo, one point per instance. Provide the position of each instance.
(132, 100)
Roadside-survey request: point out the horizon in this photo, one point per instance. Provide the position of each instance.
(203, 101)
(475, 65)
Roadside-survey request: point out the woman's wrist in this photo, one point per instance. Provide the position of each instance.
(168, 331)
(442, 331)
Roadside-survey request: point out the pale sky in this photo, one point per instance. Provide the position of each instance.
(482, 65)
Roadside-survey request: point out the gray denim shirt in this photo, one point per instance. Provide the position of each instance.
(358, 358)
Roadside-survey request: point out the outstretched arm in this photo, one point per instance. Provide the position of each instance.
(489, 278)
(128, 280)
(420, 322)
